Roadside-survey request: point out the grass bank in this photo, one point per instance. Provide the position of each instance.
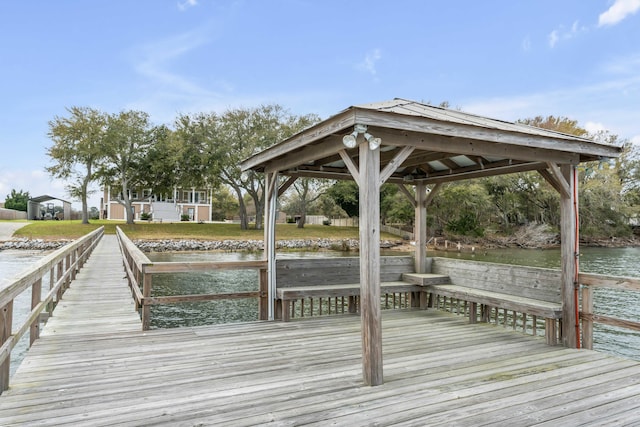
(56, 230)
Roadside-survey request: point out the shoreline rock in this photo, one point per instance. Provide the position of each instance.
(183, 245)
(171, 245)
(32, 244)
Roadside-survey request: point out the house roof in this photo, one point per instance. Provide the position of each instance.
(423, 143)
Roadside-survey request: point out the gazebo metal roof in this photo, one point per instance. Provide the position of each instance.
(448, 145)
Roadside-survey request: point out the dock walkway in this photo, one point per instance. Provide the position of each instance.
(101, 369)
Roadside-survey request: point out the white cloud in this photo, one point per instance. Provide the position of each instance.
(370, 60)
(618, 11)
(562, 33)
(636, 139)
(526, 44)
(594, 128)
(607, 105)
(186, 4)
(553, 38)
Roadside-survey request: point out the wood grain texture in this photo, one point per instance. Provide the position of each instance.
(439, 371)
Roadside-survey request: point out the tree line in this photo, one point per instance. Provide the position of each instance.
(205, 150)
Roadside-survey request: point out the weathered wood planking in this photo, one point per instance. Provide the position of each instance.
(336, 271)
(528, 282)
(98, 299)
(438, 371)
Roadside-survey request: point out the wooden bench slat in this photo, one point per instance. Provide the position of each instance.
(496, 299)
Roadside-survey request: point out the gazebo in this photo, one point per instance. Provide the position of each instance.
(409, 143)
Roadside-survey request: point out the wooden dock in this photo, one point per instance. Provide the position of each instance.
(94, 366)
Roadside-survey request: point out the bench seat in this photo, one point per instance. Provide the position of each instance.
(349, 289)
(286, 295)
(530, 306)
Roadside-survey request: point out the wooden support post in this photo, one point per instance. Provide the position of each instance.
(473, 312)
(550, 331)
(569, 253)
(6, 318)
(263, 301)
(370, 309)
(421, 229)
(587, 322)
(146, 308)
(36, 297)
(271, 195)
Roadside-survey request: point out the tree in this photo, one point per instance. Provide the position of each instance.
(347, 196)
(127, 142)
(243, 133)
(160, 164)
(77, 150)
(17, 200)
(224, 205)
(305, 192)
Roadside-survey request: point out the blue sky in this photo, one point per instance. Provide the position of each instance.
(504, 59)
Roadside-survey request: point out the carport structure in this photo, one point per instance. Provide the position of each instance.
(409, 143)
(33, 206)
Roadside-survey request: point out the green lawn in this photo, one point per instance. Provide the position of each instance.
(51, 230)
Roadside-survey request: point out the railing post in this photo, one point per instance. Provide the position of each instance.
(52, 281)
(587, 319)
(36, 297)
(263, 301)
(67, 282)
(59, 276)
(74, 267)
(6, 316)
(146, 293)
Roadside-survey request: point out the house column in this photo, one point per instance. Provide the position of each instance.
(370, 310)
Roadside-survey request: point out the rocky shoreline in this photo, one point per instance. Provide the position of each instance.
(182, 245)
(32, 244)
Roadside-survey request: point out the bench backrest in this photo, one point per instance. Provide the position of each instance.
(336, 270)
(531, 282)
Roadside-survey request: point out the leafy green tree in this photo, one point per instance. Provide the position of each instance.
(303, 195)
(346, 195)
(127, 142)
(78, 141)
(243, 133)
(17, 200)
(224, 205)
(160, 163)
(462, 208)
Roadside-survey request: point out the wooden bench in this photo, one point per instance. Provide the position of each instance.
(527, 290)
(337, 277)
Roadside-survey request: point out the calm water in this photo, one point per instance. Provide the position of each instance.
(12, 262)
(619, 262)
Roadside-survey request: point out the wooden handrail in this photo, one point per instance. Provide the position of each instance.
(61, 266)
(588, 281)
(140, 270)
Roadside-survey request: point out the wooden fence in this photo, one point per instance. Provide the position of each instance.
(588, 284)
(61, 267)
(140, 271)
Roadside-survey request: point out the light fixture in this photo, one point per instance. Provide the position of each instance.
(350, 140)
(374, 143)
